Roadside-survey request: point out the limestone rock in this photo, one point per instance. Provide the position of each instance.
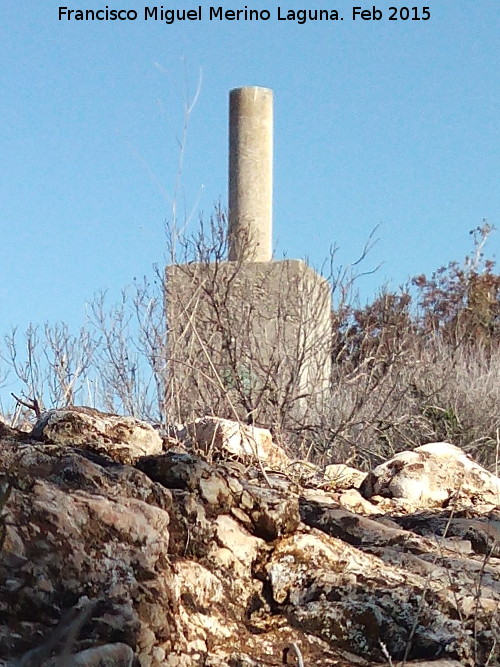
(344, 477)
(190, 562)
(433, 475)
(273, 513)
(108, 655)
(7, 431)
(351, 499)
(222, 437)
(270, 512)
(123, 439)
(458, 530)
(354, 600)
(424, 663)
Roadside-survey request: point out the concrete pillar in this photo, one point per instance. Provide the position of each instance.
(250, 174)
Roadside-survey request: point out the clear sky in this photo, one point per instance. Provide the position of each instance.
(376, 122)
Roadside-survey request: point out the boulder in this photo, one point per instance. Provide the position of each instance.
(179, 560)
(7, 431)
(123, 439)
(216, 437)
(354, 600)
(344, 477)
(108, 655)
(433, 475)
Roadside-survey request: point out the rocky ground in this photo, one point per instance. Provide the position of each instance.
(209, 547)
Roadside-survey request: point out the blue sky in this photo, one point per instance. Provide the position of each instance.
(390, 122)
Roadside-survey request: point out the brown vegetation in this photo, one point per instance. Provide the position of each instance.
(410, 367)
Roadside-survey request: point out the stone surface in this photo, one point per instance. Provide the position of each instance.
(245, 338)
(250, 174)
(108, 655)
(214, 437)
(124, 439)
(426, 663)
(344, 477)
(181, 561)
(433, 475)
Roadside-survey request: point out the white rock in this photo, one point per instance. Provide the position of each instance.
(214, 435)
(432, 475)
(232, 536)
(344, 477)
(122, 438)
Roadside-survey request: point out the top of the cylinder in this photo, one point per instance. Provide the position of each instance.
(253, 88)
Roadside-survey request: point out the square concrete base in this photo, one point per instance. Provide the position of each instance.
(248, 339)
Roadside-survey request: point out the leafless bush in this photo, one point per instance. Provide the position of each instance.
(51, 365)
(411, 368)
(464, 405)
(376, 362)
(351, 384)
(241, 335)
(431, 392)
(130, 363)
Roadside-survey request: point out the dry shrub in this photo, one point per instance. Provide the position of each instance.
(247, 340)
(418, 366)
(407, 368)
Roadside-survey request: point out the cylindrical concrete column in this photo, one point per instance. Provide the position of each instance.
(250, 174)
